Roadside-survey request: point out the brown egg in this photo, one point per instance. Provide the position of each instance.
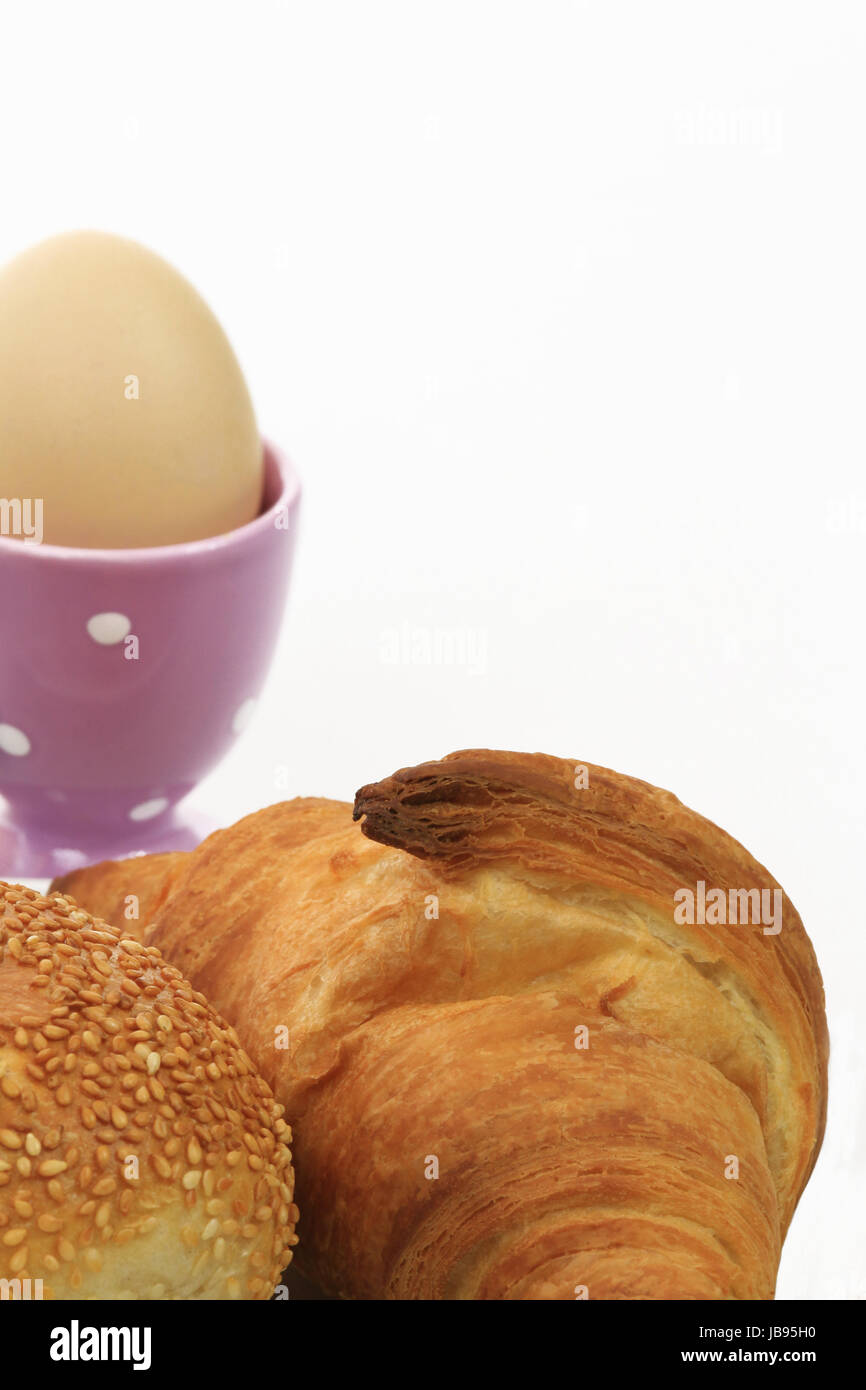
(122, 405)
(141, 1154)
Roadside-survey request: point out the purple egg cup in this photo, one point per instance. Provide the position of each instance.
(125, 675)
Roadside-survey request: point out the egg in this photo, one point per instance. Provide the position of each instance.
(125, 420)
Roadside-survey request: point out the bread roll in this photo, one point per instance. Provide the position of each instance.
(141, 1154)
(510, 1071)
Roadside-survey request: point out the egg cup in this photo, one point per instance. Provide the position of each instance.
(125, 675)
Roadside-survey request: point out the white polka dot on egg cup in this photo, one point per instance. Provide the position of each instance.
(109, 628)
(128, 674)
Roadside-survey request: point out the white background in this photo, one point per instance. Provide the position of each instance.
(559, 309)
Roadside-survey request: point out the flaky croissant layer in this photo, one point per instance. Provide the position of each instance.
(512, 1069)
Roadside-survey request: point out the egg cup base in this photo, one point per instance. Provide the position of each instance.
(36, 852)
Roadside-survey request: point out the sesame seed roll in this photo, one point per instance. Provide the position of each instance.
(141, 1154)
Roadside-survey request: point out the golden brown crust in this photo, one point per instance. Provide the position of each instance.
(412, 993)
(554, 1168)
(127, 892)
(478, 807)
(141, 1155)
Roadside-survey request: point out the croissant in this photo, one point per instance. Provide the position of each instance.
(512, 1069)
